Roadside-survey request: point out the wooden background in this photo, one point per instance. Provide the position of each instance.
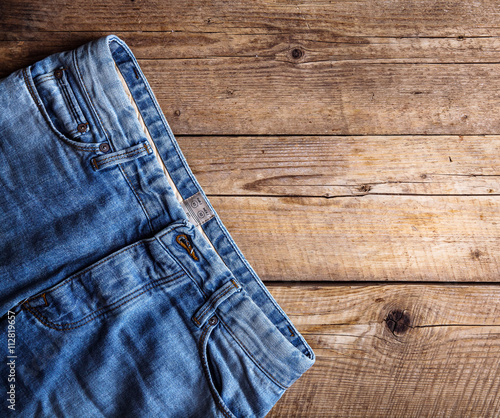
(351, 149)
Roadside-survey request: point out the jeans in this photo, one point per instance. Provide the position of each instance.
(122, 293)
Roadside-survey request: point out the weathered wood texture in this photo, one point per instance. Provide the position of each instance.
(267, 95)
(338, 141)
(369, 18)
(425, 238)
(334, 166)
(441, 358)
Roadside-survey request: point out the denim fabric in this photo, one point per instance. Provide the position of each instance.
(122, 293)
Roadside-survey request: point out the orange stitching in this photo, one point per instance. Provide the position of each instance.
(47, 323)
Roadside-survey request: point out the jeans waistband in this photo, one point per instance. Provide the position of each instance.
(131, 121)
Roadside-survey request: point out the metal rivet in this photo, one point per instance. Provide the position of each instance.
(58, 74)
(82, 127)
(213, 320)
(104, 147)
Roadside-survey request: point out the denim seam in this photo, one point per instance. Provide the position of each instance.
(262, 286)
(71, 278)
(69, 100)
(92, 106)
(126, 154)
(62, 327)
(181, 265)
(247, 351)
(148, 217)
(214, 301)
(204, 360)
(43, 78)
(88, 148)
(104, 260)
(94, 109)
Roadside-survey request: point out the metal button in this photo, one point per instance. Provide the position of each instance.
(58, 74)
(213, 320)
(104, 147)
(82, 127)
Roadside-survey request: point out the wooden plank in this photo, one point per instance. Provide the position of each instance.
(377, 17)
(260, 96)
(333, 166)
(264, 95)
(443, 362)
(380, 238)
(20, 49)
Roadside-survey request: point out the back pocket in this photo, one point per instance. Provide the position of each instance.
(62, 107)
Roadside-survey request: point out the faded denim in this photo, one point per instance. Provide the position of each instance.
(129, 296)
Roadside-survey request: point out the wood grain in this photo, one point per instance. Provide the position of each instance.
(22, 49)
(377, 17)
(374, 238)
(233, 96)
(340, 142)
(445, 363)
(333, 166)
(260, 96)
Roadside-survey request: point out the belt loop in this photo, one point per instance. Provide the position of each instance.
(219, 296)
(118, 157)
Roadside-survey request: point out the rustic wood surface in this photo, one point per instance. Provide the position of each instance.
(395, 350)
(352, 150)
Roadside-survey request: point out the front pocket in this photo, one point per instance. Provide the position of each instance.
(56, 93)
(107, 287)
(238, 387)
(211, 370)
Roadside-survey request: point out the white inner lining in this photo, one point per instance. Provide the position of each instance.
(155, 150)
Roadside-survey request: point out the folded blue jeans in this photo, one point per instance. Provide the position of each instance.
(122, 292)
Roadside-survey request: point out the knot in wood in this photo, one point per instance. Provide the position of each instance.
(297, 53)
(398, 322)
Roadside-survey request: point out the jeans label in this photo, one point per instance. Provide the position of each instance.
(197, 209)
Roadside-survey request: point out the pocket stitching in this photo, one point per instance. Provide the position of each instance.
(63, 327)
(203, 344)
(91, 267)
(247, 351)
(89, 97)
(91, 147)
(70, 99)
